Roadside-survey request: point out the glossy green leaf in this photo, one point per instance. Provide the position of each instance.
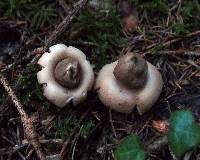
(130, 149)
(184, 133)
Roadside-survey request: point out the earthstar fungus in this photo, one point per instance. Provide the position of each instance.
(66, 75)
(129, 82)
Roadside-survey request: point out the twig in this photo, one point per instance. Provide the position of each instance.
(169, 42)
(193, 64)
(73, 151)
(54, 157)
(59, 29)
(188, 155)
(29, 130)
(30, 153)
(56, 33)
(177, 52)
(45, 141)
(111, 123)
(4, 151)
(65, 23)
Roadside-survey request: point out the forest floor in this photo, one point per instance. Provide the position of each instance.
(164, 32)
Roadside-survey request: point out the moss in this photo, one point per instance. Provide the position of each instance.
(153, 7)
(64, 126)
(190, 12)
(29, 88)
(86, 128)
(180, 28)
(37, 13)
(190, 9)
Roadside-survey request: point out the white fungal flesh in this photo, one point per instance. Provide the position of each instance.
(53, 91)
(121, 99)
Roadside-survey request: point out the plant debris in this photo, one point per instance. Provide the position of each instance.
(167, 35)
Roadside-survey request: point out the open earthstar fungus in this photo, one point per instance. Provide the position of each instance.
(66, 75)
(129, 82)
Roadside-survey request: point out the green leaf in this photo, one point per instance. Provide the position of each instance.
(184, 133)
(130, 149)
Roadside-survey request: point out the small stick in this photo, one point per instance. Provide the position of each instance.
(54, 157)
(29, 130)
(176, 52)
(59, 29)
(45, 141)
(65, 23)
(111, 123)
(193, 64)
(169, 42)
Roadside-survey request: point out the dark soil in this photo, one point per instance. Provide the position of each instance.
(93, 131)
